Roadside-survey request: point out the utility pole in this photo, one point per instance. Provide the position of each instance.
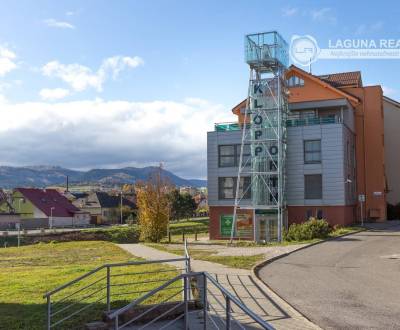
(120, 209)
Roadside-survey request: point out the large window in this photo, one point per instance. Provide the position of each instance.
(312, 151)
(227, 187)
(313, 186)
(229, 155)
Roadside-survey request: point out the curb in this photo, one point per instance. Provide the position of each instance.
(256, 268)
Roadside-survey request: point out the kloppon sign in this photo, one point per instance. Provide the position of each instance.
(264, 118)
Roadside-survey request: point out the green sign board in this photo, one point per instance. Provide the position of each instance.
(226, 225)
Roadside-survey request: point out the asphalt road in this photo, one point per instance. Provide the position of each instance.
(349, 283)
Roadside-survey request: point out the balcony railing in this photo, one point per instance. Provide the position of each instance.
(312, 120)
(291, 122)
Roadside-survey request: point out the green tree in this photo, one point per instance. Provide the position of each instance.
(188, 205)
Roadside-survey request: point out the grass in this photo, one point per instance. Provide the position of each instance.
(243, 262)
(195, 225)
(30, 271)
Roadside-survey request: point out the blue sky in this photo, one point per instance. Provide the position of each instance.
(117, 83)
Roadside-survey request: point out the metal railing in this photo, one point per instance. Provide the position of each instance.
(292, 121)
(220, 311)
(107, 286)
(295, 121)
(161, 288)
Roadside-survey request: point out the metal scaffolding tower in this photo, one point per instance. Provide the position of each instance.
(264, 130)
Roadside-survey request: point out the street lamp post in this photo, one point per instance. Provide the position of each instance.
(51, 217)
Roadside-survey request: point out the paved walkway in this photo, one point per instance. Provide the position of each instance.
(240, 282)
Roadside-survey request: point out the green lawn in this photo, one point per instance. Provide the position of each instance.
(244, 262)
(30, 271)
(198, 225)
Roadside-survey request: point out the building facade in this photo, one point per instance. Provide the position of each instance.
(335, 158)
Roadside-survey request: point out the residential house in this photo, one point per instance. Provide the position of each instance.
(104, 208)
(46, 208)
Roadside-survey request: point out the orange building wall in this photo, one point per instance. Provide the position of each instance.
(370, 151)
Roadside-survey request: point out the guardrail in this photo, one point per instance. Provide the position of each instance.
(216, 313)
(95, 290)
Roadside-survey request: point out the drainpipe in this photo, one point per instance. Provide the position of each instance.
(365, 158)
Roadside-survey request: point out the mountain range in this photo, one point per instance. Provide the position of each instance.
(43, 176)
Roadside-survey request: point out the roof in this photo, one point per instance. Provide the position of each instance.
(111, 201)
(387, 99)
(343, 79)
(79, 194)
(47, 199)
(319, 80)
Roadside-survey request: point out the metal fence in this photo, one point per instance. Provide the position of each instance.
(218, 307)
(141, 293)
(107, 287)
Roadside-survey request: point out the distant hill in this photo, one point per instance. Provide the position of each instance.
(42, 176)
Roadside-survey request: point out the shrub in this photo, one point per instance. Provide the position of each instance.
(311, 229)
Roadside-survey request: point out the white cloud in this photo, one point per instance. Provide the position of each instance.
(389, 91)
(7, 61)
(97, 133)
(289, 11)
(51, 22)
(53, 94)
(81, 77)
(363, 28)
(116, 64)
(323, 14)
(71, 13)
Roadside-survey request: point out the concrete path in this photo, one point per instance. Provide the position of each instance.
(243, 284)
(352, 282)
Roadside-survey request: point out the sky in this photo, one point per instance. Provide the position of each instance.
(105, 84)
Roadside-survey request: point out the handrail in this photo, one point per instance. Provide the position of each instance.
(144, 297)
(187, 256)
(237, 302)
(93, 271)
(229, 296)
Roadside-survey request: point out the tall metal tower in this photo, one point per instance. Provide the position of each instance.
(264, 130)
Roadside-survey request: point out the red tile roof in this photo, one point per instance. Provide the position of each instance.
(45, 199)
(343, 79)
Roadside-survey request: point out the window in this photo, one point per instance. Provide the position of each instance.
(229, 155)
(295, 81)
(227, 187)
(226, 156)
(312, 151)
(313, 186)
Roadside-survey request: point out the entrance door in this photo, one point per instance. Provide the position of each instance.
(267, 227)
